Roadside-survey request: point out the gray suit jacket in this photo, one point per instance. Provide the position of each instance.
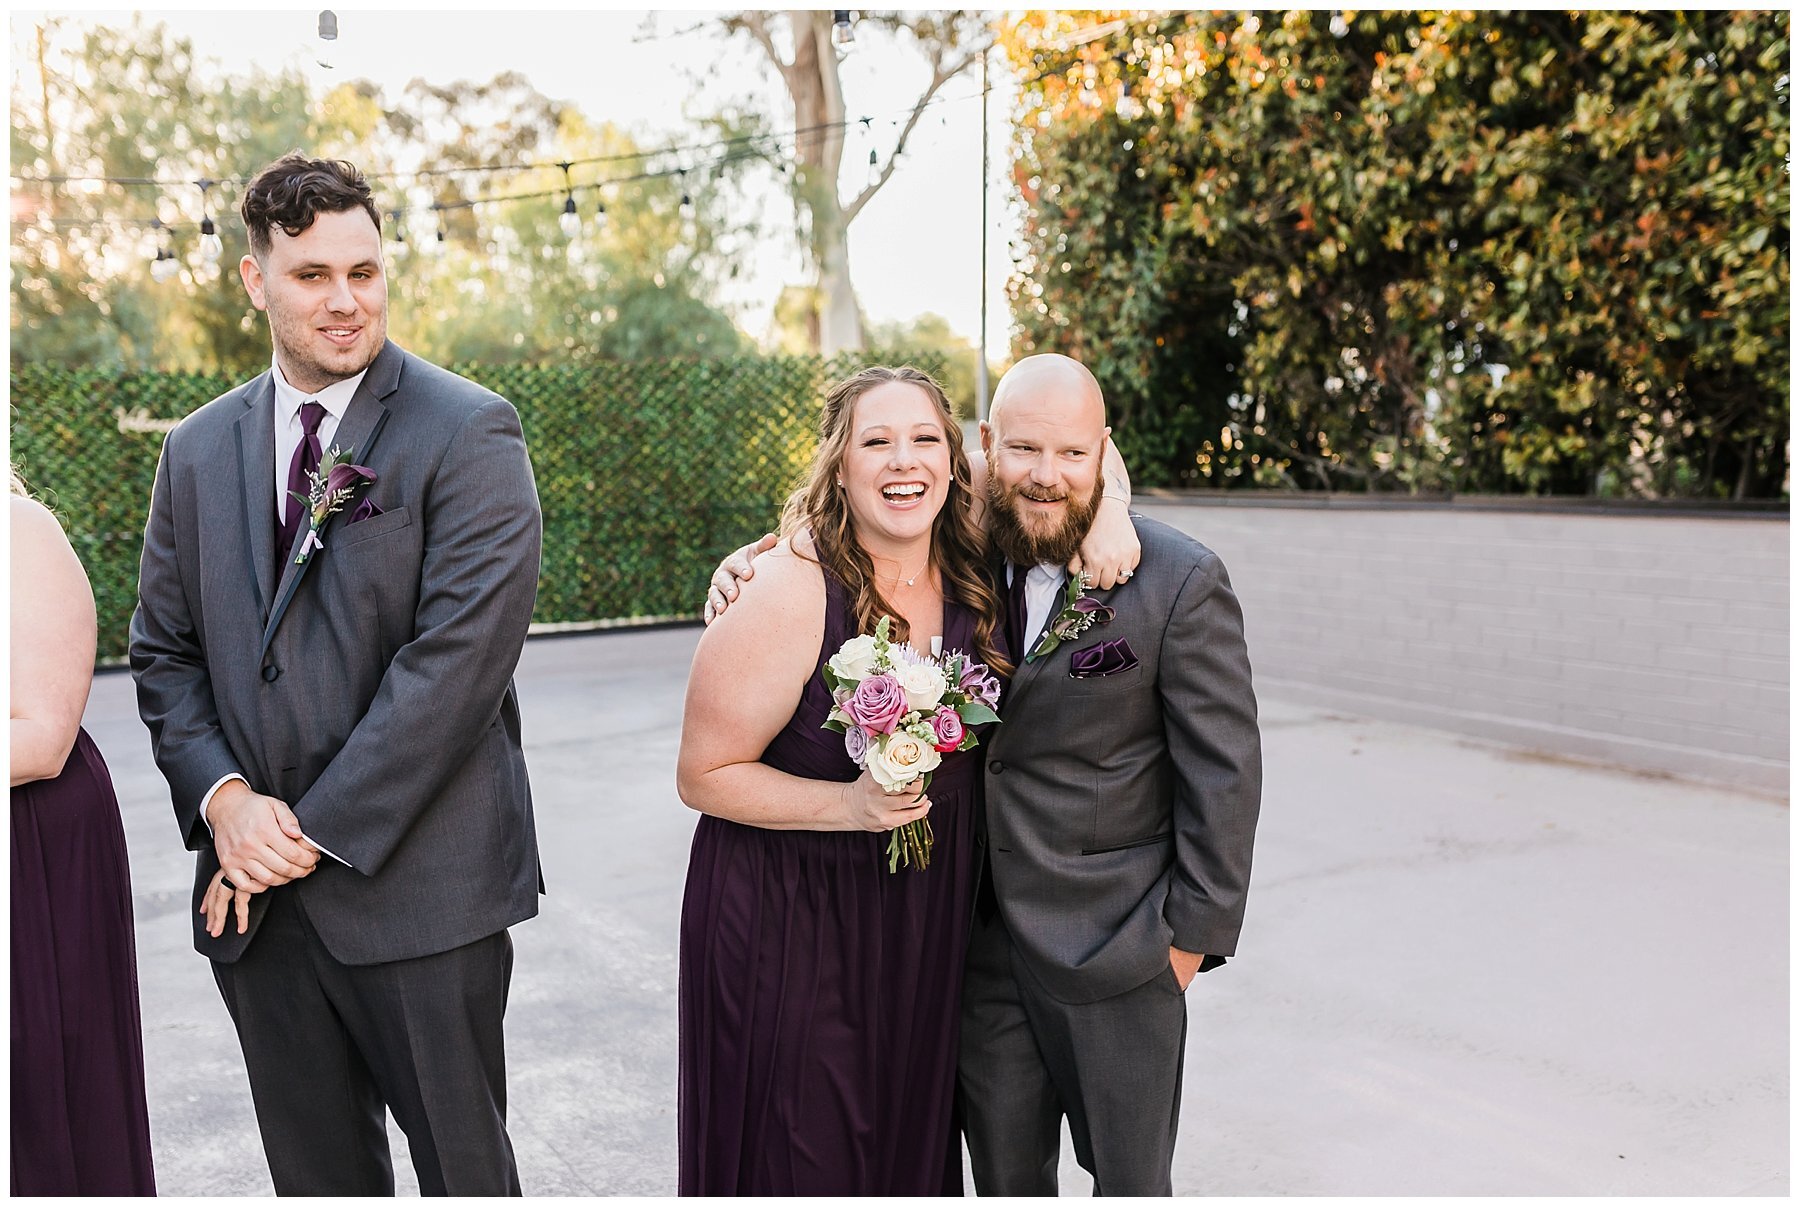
(1121, 809)
(370, 688)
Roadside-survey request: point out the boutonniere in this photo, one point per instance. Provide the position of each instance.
(334, 484)
(1079, 613)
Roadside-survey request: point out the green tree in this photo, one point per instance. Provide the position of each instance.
(802, 50)
(127, 102)
(930, 336)
(505, 284)
(1532, 252)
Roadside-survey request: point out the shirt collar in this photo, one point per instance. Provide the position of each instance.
(335, 398)
(1035, 576)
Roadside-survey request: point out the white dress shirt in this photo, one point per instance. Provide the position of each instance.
(335, 398)
(1043, 588)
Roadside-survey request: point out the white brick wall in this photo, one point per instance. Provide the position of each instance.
(1658, 642)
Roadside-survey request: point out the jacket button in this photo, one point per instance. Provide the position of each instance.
(996, 766)
(271, 673)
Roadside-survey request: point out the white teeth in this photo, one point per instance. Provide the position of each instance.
(903, 492)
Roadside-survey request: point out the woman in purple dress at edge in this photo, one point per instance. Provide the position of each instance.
(819, 992)
(79, 1120)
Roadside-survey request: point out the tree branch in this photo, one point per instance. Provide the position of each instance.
(940, 75)
(753, 24)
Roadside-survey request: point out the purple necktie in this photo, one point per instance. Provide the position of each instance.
(300, 473)
(1015, 615)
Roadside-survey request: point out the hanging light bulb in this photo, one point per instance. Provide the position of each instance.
(442, 234)
(842, 32)
(163, 265)
(571, 217)
(211, 246)
(687, 201)
(328, 31)
(874, 168)
(600, 214)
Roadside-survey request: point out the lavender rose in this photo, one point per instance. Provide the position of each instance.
(856, 743)
(878, 704)
(946, 730)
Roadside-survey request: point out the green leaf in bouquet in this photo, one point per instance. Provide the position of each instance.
(976, 713)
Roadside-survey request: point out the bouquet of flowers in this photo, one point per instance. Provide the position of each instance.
(900, 712)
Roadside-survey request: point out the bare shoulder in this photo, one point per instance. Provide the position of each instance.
(36, 534)
(786, 596)
(43, 558)
(786, 577)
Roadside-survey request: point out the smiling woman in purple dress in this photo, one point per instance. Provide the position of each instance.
(820, 991)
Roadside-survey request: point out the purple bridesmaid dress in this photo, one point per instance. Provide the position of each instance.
(79, 1122)
(820, 993)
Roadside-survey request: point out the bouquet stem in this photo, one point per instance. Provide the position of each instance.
(910, 845)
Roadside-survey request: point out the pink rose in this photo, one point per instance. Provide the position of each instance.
(948, 728)
(878, 704)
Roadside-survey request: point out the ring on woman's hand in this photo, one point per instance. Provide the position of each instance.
(226, 881)
(1124, 574)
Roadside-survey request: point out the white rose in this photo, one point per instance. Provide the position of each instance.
(856, 661)
(900, 758)
(923, 684)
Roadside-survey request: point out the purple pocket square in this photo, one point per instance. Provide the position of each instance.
(1107, 658)
(365, 510)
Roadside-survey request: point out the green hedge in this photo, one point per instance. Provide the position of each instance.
(648, 471)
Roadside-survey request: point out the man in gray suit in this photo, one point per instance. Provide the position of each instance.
(1122, 794)
(329, 694)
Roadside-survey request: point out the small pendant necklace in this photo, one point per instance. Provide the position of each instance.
(915, 578)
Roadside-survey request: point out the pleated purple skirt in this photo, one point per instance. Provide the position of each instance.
(819, 1000)
(80, 1125)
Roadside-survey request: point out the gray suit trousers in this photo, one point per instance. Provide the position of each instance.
(1113, 1067)
(332, 1047)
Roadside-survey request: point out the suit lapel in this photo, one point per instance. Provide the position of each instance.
(256, 480)
(362, 421)
(1029, 672)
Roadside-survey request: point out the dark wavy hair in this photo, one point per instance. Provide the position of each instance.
(294, 190)
(958, 546)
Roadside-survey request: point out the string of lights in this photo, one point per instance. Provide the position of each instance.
(765, 145)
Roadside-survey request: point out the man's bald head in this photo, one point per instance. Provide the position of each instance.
(1050, 382)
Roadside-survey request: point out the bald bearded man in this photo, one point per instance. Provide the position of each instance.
(1122, 793)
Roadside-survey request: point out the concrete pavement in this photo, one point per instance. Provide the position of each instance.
(1466, 969)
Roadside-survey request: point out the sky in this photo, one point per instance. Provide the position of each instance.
(914, 249)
